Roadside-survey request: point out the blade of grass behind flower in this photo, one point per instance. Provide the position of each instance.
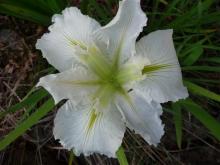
(186, 19)
(20, 11)
(202, 68)
(207, 82)
(194, 55)
(121, 156)
(100, 11)
(177, 118)
(38, 11)
(29, 101)
(204, 117)
(212, 59)
(196, 89)
(24, 126)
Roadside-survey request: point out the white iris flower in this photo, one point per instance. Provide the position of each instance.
(110, 80)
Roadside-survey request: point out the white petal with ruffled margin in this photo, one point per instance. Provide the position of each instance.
(141, 116)
(120, 34)
(76, 84)
(164, 82)
(70, 32)
(74, 130)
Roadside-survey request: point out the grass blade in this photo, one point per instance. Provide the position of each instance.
(193, 56)
(23, 12)
(201, 68)
(195, 89)
(121, 156)
(204, 117)
(24, 126)
(177, 117)
(70, 162)
(212, 59)
(38, 11)
(31, 100)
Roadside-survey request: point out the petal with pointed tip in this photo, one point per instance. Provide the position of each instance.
(117, 39)
(163, 80)
(76, 84)
(71, 31)
(141, 116)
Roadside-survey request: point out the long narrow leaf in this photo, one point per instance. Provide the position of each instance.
(202, 68)
(195, 89)
(193, 56)
(121, 156)
(204, 117)
(31, 100)
(38, 11)
(24, 126)
(23, 12)
(177, 117)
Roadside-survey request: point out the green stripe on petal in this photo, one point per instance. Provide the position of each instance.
(83, 129)
(75, 43)
(93, 117)
(153, 68)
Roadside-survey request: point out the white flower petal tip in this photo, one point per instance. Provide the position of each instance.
(81, 129)
(70, 84)
(118, 37)
(142, 117)
(70, 31)
(163, 80)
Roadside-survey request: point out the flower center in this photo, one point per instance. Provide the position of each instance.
(113, 81)
(111, 77)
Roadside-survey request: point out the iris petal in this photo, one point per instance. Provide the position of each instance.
(163, 80)
(70, 32)
(141, 116)
(80, 129)
(118, 37)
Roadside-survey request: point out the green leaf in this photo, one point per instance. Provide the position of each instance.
(207, 82)
(56, 5)
(71, 158)
(212, 59)
(100, 10)
(23, 12)
(84, 5)
(29, 101)
(38, 11)
(196, 52)
(24, 126)
(186, 20)
(201, 68)
(121, 156)
(204, 117)
(177, 117)
(195, 89)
